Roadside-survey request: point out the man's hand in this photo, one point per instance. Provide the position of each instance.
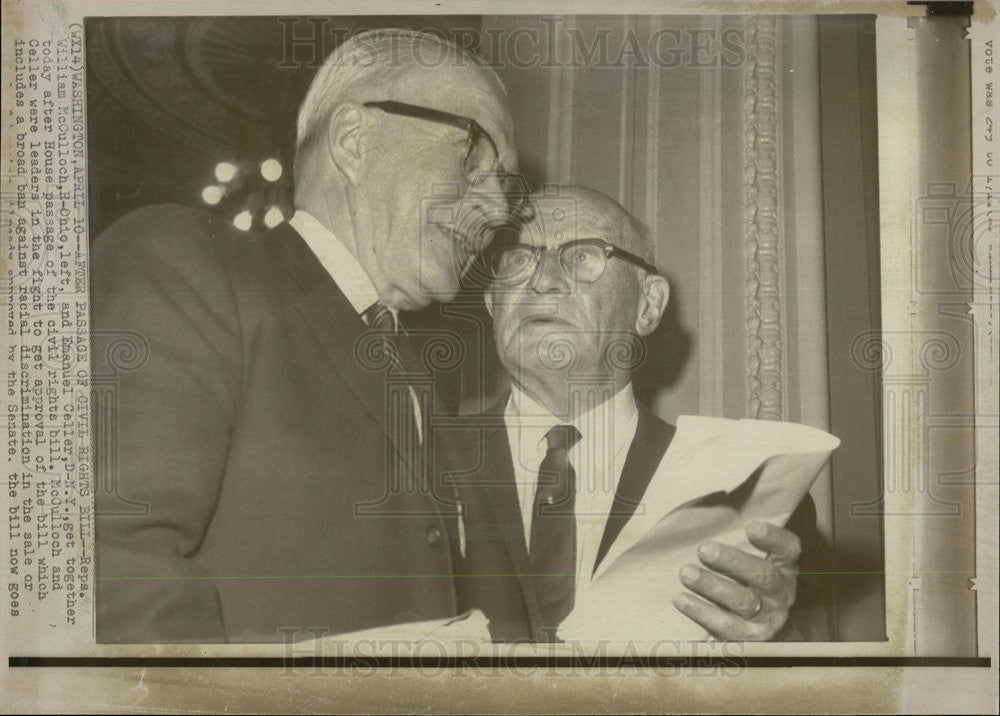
(746, 598)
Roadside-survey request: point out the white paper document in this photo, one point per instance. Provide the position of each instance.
(469, 627)
(717, 476)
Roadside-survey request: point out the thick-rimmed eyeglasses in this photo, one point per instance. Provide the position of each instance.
(482, 158)
(582, 260)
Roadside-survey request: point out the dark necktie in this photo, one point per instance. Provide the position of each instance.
(381, 321)
(553, 530)
(379, 318)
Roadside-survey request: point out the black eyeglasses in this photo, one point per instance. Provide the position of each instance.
(583, 260)
(482, 158)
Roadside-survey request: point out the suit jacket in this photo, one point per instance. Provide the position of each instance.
(496, 571)
(248, 488)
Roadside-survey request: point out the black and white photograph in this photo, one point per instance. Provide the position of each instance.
(355, 344)
(660, 341)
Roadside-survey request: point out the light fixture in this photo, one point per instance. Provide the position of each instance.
(271, 169)
(225, 171)
(273, 217)
(212, 194)
(243, 221)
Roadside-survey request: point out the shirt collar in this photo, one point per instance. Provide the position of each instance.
(530, 420)
(338, 261)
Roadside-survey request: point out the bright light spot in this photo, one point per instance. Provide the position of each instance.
(225, 171)
(211, 194)
(273, 217)
(243, 221)
(271, 169)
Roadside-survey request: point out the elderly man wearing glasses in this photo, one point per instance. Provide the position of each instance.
(556, 469)
(263, 476)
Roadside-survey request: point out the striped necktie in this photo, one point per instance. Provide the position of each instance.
(381, 321)
(379, 318)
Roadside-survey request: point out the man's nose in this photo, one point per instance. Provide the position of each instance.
(486, 196)
(549, 276)
(482, 206)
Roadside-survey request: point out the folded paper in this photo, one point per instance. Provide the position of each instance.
(716, 477)
(469, 627)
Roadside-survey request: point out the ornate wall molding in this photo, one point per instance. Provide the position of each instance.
(764, 310)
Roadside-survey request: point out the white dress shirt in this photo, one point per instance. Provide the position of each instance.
(598, 457)
(347, 273)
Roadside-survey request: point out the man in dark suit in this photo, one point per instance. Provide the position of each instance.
(261, 455)
(552, 474)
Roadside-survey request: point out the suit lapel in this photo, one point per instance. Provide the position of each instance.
(336, 324)
(499, 491)
(652, 437)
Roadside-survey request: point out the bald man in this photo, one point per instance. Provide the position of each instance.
(558, 467)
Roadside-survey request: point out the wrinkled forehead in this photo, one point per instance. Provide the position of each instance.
(558, 219)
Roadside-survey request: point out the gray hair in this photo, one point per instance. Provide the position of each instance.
(366, 66)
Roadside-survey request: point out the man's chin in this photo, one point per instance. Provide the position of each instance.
(545, 346)
(442, 292)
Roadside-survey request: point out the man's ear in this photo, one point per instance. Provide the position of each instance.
(654, 293)
(343, 140)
